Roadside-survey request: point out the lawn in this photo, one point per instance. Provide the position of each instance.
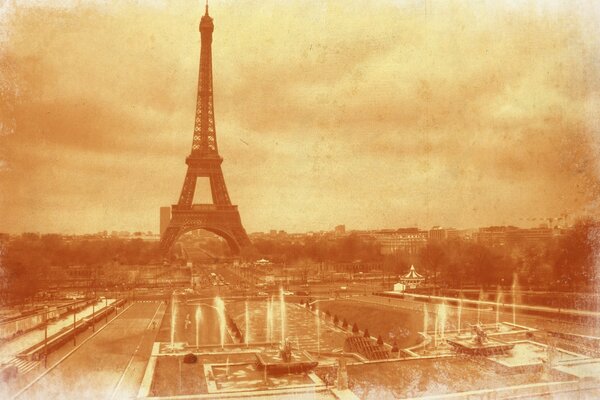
(415, 378)
(168, 381)
(391, 323)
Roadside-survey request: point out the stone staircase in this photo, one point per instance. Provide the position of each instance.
(366, 347)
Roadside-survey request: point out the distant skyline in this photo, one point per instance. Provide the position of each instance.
(268, 231)
(372, 114)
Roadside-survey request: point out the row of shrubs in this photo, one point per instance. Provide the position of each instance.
(345, 325)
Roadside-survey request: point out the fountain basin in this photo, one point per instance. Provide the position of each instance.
(493, 346)
(529, 353)
(275, 365)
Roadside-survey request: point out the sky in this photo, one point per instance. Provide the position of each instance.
(372, 114)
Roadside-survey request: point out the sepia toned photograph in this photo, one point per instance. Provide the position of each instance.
(299, 199)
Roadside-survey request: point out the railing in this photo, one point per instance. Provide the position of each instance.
(42, 348)
(205, 207)
(13, 327)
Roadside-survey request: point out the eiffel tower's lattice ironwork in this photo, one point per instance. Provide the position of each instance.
(204, 161)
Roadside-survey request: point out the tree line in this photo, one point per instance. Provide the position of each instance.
(25, 259)
(319, 249)
(568, 262)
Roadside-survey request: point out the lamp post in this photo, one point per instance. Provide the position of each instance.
(94, 315)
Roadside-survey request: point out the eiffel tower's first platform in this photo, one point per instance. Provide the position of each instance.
(204, 161)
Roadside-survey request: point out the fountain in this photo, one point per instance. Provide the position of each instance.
(187, 322)
(198, 318)
(283, 361)
(480, 344)
(247, 321)
(220, 306)
(460, 334)
(282, 314)
(481, 296)
(269, 319)
(498, 308)
(439, 330)
(515, 288)
(442, 313)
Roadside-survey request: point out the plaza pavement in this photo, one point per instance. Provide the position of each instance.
(107, 365)
(10, 348)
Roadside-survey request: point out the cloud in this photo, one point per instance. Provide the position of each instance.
(366, 113)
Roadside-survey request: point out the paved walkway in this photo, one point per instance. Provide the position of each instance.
(9, 349)
(108, 365)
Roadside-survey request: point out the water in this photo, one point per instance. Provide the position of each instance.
(220, 306)
(498, 308)
(481, 296)
(269, 321)
(282, 314)
(247, 333)
(198, 318)
(442, 313)
(515, 288)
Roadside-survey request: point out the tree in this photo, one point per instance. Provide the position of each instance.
(367, 334)
(355, 328)
(575, 255)
(345, 324)
(481, 264)
(432, 256)
(380, 340)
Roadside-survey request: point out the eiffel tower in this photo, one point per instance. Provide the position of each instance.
(204, 161)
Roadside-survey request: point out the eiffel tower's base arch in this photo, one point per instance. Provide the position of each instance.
(223, 221)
